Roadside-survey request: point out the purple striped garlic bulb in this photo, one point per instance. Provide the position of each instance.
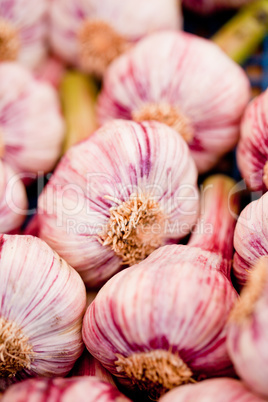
(24, 31)
(80, 389)
(252, 151)
(185, 82)
(31, 126)
(209, 6)
(214, 390)
(117, 196)
(248, 331)
(91, 33)
(13, 200)
(161, 323)
(250, 238)
(42, 304)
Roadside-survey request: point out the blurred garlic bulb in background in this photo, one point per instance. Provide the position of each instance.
(209, 6)
(31, 126)
(91, 33)
(214, 390)
(161, 324)
(24, 31)
(252, 151)
(184, 81)
(117, 196)
(13, 200)
(248, 331)
(42, 304)
(250, 238)
(80, 389)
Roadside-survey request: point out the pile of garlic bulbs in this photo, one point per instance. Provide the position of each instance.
(132, 265)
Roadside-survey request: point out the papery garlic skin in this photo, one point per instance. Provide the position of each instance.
(248, 331)
(31, 127)
(121, 162)
(44, 299)
(209, 6)
(82, 389)
(162, 307)
(214, 390)
(252, 151)
(68, 18)
(250, 238)
(29, 20)
(13, 200)
(179, 70)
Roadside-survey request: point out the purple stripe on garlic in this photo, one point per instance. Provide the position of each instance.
(214, 390)
(161, 323)
(31, 127)
(209, 6)
(92, 33)
(250, 238)
(252, 151)
(248, 330)
(184, 81)
(24, 31)
(42, 301)
(117, 196)
(13, 200)
(79, 389)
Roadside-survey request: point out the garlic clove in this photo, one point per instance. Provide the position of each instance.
(214, 390)
(252, 151)
(248, 331)
(82, 389)
(31, 139)
(210, 6)
(161, 323)
(115, 197)
(13, 200)
(159, 79)
(24, 31)
(91, 35)
(41, 311)
(250, 238)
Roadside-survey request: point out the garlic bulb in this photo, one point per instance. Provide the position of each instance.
(117, 196)
(82, 389)
(250, 238)
(42, 304)
(52, 71)
(87, 365)
(13, 200)
(161, 323)
(209, 6)
(184, 81)
(252, 151)
(248, 331)
(31, 127)
(23, 31)
(91, 34)
(214, 390)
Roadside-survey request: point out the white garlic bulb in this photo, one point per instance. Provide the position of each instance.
(42, 304)
(214, 390)
(79, 389)
(248, 331)
(91, 33)
(117, 196)
(31, 127)
(184, 81)
(252, 150)
(162, 323)
(13, 200)
(24, 31)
